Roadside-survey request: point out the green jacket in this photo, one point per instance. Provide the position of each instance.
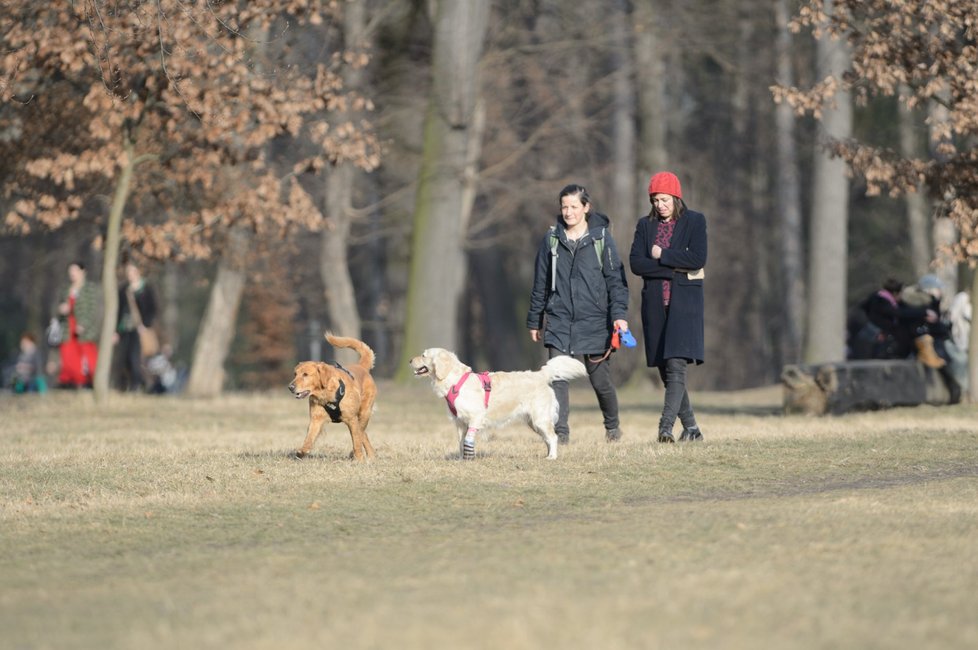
(88, 312)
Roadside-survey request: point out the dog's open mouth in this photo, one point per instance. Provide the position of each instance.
(420, 372)
(302, 394)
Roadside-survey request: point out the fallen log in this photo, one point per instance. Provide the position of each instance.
(846, 386)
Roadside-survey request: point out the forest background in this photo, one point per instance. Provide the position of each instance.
(387, 168)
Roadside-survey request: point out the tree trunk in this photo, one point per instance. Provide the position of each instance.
(110, 283)
(624, 166)
(651, 43)
(828, 252)
(438, 264)
(651, 51)
(945, 233)
(217, 328)
(496, 317)
(917, 222)
(788, 199)
(344, 317)
(341, 303)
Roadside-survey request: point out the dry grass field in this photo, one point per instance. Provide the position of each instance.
(174, 523)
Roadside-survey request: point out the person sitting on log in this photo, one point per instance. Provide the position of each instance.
(932, 333)
(886, 327)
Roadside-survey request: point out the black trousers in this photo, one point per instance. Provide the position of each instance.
(673, 375)
(130, 374)
(600, 375)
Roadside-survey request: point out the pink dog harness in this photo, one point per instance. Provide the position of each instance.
(452, 394)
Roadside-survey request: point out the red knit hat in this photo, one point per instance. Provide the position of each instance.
(665, 183)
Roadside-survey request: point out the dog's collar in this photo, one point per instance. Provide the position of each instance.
(452, 393)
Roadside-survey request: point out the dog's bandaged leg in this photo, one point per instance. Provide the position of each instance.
(468, 444)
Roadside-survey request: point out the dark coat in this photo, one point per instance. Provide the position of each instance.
(680, 334)
(145, 303)
(892, 327)
(589, 297)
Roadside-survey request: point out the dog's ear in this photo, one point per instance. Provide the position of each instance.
(325, 371)
(333, 388)
(441, 363)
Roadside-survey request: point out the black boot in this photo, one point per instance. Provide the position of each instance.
(666, 436)
(953, 387)
(691, 434)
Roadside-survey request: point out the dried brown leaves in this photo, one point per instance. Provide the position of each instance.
(925, 52)
(202, 87)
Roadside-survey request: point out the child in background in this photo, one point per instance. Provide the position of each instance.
(28, 377)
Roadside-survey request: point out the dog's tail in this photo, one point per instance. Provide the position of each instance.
(563, 368)
(366, 354)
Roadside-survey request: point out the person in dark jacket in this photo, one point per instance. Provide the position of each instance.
(669, 253)
(895, 321)
(579, 298)
(134, 291)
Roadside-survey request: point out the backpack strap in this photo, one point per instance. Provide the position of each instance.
(599, 249)
(554, 244)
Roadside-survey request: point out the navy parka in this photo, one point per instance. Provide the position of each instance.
(677, 333)
(589, 296)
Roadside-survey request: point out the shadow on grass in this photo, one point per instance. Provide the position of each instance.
(290, 454)
(758, 410)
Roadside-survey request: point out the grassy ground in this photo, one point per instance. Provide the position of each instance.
(165, 523)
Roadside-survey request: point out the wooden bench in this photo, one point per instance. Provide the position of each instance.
(846, 386)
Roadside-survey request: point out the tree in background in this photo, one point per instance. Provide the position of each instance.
(446, 181)
(925, 53)
(788, 198)
(193, 88)
(828, 244)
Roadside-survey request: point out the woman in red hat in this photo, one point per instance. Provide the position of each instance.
(669, 253)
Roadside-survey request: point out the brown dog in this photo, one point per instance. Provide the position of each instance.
(340, 394)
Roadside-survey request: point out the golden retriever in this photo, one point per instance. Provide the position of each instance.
(525, 395)
(340, 394)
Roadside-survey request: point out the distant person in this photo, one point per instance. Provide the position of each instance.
(959, 316)
(959, 313)
(669, 253)
(28, 373)
(80, 314)
(137, 310)
(162, 375)
(889, 327)
(935, 333)
(579, 298)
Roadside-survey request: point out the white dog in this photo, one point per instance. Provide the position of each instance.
(496, 398)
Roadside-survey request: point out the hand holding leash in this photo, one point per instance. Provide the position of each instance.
(623, 336)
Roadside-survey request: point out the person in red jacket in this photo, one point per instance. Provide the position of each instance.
(669, 253)
(80, 312)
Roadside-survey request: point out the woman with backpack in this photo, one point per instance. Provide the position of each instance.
(579, 298)
(669, 253)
